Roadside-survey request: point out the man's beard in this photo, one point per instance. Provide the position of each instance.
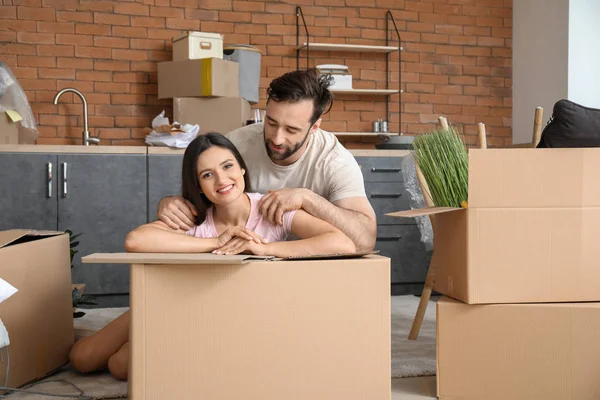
(289, 151)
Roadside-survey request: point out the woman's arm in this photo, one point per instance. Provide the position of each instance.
(316, 237)
(157, 237)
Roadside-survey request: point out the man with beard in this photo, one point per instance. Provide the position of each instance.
(296, 163)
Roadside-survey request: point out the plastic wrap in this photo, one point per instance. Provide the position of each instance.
(13, 98)
(416, 199)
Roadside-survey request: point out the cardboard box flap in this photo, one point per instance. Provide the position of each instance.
(419, 212)
(527, 178)
(327, 256)
(16, 236)
(170, 258)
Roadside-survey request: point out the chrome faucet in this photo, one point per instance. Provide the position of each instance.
(86, 134)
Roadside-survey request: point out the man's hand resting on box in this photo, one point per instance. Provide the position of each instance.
(177, 213)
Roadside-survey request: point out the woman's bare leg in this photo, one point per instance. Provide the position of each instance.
(93, 352)
(118, 364)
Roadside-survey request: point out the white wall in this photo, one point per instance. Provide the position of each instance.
(584, 52)
(540, 60)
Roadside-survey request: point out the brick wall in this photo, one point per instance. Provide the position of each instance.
(456, 63)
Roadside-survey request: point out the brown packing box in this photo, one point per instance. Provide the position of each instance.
(39, 317)
(518, 351)
(206, 77)
(530, 233)
(219, 114)
(241, 327)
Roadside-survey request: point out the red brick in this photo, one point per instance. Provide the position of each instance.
(501, 92)
(489, 81)
(418, 6)
(98, 98)
(101, 122)
(182, 24)
(229, 16)
(502, 32)
(77, 63)
(125, 31)
(8, 12)
(150, 22)
(462, 20)
(55, 27)
(420, 27)
(164, 34)
(463, 80)
(450, 50)
(111, 65)
(128, 98)
(111, 19)
(46, 131)
(35, 61)
(134, 77)
(463, 40)
(156, 55)
(417, 67)
(267, 19)
(489, 21)
(470, 70)
(449, 29)
(369, 33)
(433, 98)
(254, 29)
(38, 84)
(166, 12)
(418, 108)
(131, 8)
(201, 15)
(209, 4)
(477, 31)
(96, 5)
(490, 41)
(434, 38)
(477, 91)
(35, 38)
(36, 13)
(63, 51)
(132, 121)
(477, 51)
(145, 88)
(69, 5)
(92, 52)
(92, 29)
(271, 8)
(57, 73)
(8, 36)
(143, 66)
(148, 44)
(429, 78)
(420, 88)
(74, 16)
(25, 72)
(221, 27)
(500, 52)
(75, 40)
(118, 43)
(96, 76)
(111, 110)
(463, 100)
(57, 120)
(433, 18)
(19, 26)
(83, 86)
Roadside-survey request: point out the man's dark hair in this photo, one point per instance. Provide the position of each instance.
(190, 188)
(301, 85)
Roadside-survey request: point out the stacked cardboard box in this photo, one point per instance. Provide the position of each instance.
(520, 267)
(203, 86)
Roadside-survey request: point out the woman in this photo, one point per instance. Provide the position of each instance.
(215, 180)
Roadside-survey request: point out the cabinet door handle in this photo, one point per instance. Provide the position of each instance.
(385, 169)
(64, 170)
(389, 238)
(49, 180)
(385, 196)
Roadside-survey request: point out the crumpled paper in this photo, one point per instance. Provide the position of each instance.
(6, 290)
(176, 139)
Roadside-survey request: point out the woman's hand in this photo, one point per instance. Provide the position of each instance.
(238, 245)
(239, 233)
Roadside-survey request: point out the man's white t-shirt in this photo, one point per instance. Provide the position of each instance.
(326, 167)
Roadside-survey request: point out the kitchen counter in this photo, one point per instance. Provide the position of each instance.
(78, 149)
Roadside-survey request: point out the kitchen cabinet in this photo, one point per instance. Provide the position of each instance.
(101, 196)
(164, 179)
(28, 190)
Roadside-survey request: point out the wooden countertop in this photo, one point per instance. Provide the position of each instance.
(93, 149)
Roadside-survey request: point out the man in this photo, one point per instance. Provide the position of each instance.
(296, 163)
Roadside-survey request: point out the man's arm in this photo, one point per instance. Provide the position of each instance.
(354, 216)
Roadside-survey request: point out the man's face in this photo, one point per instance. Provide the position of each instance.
(287, 128)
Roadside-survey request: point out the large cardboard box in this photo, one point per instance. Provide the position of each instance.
(219, 114)
(518, 351)
(241, 327)
(39, 317)
(207, 77)
(530, 233)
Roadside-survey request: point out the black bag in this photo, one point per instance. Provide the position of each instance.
(572, 125)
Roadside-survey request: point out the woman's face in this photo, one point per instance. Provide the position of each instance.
(220, 176)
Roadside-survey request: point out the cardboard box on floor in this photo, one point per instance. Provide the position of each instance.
(219, 114)
(530, 233)
(39, 317)
(206, 77)
(242, 327)
(518, 351)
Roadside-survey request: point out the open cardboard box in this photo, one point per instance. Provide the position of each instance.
(39, 317)
(530, 232)
(518, 351)
(258, 327)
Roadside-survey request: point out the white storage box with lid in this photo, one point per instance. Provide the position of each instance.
(342, 79)
(195, 45)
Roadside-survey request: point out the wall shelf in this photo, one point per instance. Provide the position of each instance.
(348, 47)
(390, 27)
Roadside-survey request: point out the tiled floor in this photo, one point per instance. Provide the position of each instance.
(413, 388)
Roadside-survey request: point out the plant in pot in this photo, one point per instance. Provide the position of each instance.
(77, 295)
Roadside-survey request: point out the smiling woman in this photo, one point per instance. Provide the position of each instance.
(215, 181)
